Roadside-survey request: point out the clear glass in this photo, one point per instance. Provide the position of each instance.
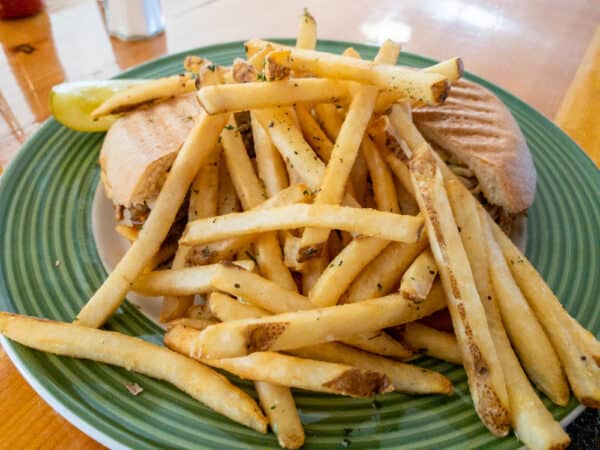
(133, 19)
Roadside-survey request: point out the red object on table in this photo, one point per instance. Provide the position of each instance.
(12, 9)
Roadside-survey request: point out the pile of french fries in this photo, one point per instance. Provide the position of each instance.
(343, 223)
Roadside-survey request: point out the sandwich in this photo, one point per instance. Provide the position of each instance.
(477, 136)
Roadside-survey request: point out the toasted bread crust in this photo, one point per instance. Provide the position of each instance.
(474, 126)
(140, 147)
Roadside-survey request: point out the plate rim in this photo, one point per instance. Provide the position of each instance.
(32, 379)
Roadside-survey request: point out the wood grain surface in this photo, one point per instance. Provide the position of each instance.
(533, 49)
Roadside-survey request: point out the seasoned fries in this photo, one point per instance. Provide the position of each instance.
(230, 98)
(200, 382)
(145, 93)
(309, 327)
(303, 235)
(287, 370)
(420, 87)
(486, 380)
(383, 225)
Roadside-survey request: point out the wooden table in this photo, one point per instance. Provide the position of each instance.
(532, 49)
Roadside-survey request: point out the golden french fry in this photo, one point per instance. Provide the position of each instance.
(527, 336)
(582, 371)
(226, 249)
(287, 370)
(405, 377)
(343, 269)
(256, 95)
(307, 31)
(345, 150)
(251, 194)
(312, 269)
(309, 327)
(382, 275)
(429, 341)
(278, 403)
(379, 343)
(257, 290)
(484, 372)
(195, 379)
(418, 278)
(129, 233)
(196, 324)
(329, 119)
(384, 225)
(290, 143)
(452, 69)
(271, 168)
(186, 281)
(277, 65)
(226, 308)
(384, 189)
(533, 424)
(419, 87)
(589, 340)
(343, 157)
(228, 201)
(203, 202)
(196, 149)
(140, 94)
(199, 312)
(313, 134)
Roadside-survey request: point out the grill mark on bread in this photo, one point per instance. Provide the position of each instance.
(360, 383)
(261, 337)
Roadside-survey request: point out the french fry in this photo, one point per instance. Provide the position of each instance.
(196, 324)
(277, 65)
(527, 336)
(309, 327)
(129, 233)
(199, 312)
(343, 269)
(417, 86)
(307, 31)
(140, 94)
(429, 341)
(196, 149)
(484, 372)
(577, 360)
(405, 377)
(226, 249)
(418, 278)
(287, 370)
(185, 281)
(533, 424)
(228, 201)
(329, 119)
(589, 340)
(452, 69)
(271, 168)
(384, 225)
(313, 134)
(379, 343)
(226, 308)
(257, 290)
(343, 157)
(290, 143)
(204, 195)
(312, 269)
(230, 98)
(384, 189)
(340, 164)
(382, 275)
(198, 381)
(278, 403)
(251, 194)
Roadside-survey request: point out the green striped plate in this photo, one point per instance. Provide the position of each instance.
(46, 202)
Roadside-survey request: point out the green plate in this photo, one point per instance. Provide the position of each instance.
(46, 200)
